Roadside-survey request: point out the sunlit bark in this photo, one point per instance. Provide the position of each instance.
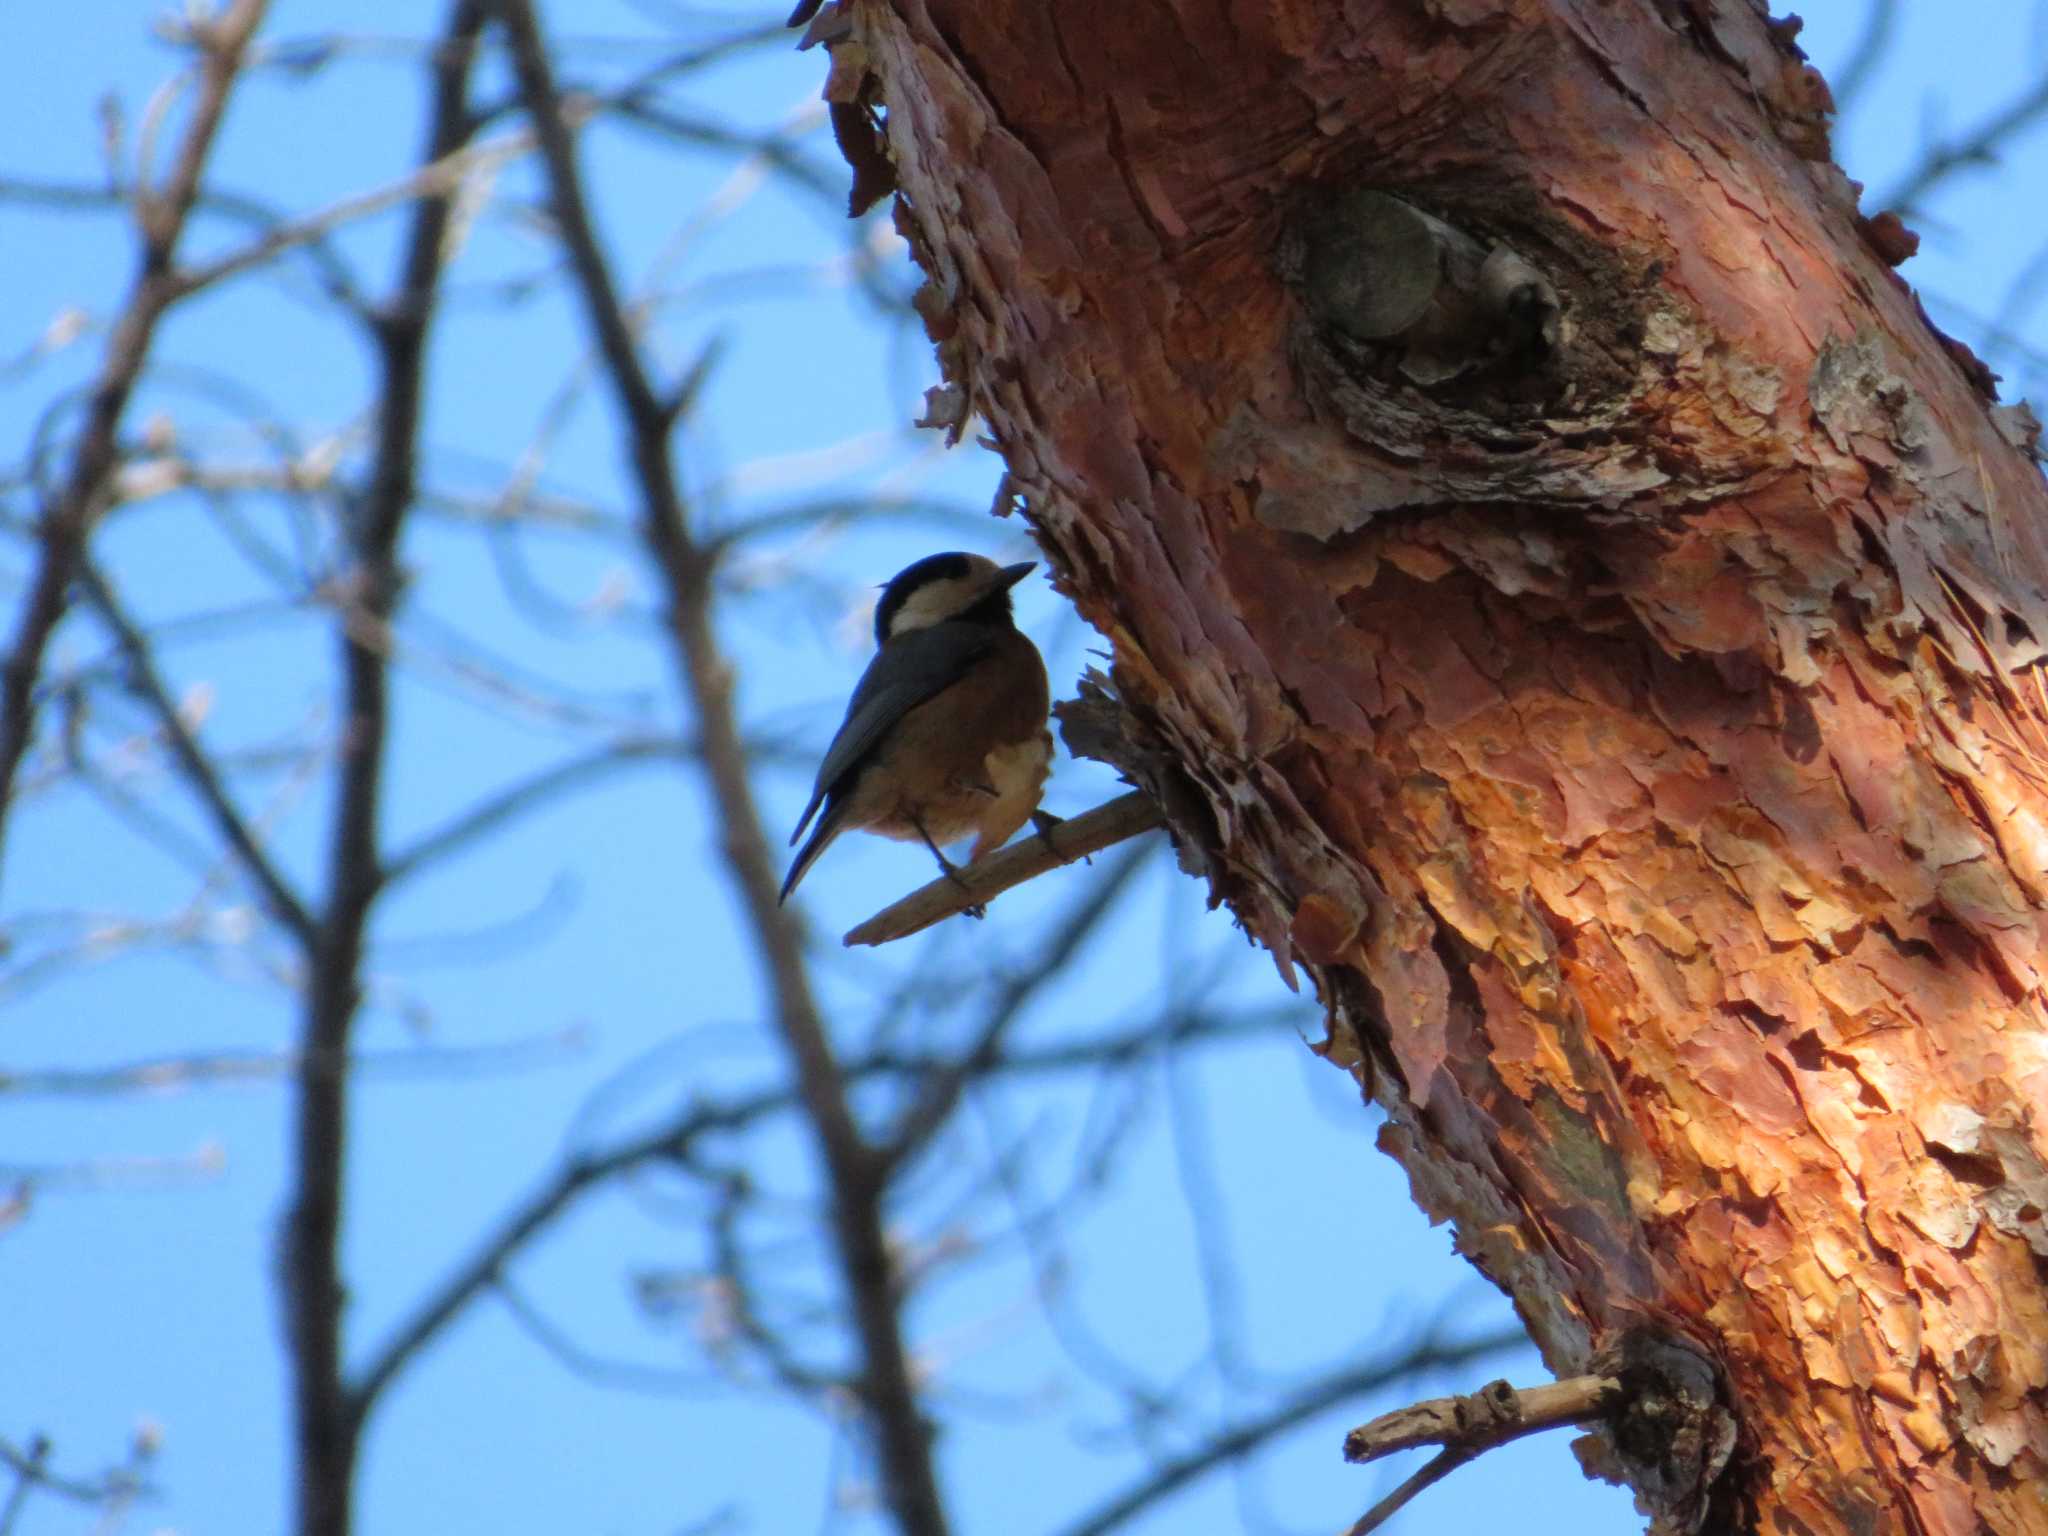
(1614, 677)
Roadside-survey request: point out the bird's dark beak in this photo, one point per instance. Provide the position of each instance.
(1008, 576)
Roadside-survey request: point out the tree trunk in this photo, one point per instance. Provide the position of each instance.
(1596, 625)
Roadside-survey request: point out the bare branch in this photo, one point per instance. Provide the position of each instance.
(1977, 147)
(1470, 1425)
(672, 1143)
(1297, 1408)
(164, 1074)
(603, 1370)
(773, 149)
(1880, 26)
(201, 1165)
(528, 1220)
(335, 275)
(492, 813)
(834, 510)
(941, 1095)
(1124, 817)
(67, 522)
(441, 178)
(1494, 1415)
(31, 1468)
(328, 1421)
(1432, 1472)
(886, 1386)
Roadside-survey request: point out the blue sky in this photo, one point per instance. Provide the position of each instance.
(600, 935)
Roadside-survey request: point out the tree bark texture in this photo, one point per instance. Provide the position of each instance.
(1596, 627)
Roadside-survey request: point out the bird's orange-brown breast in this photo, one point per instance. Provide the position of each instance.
(971, 759)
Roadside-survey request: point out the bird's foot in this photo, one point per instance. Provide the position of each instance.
(1043, 822)
(952, 872)
(973, 909)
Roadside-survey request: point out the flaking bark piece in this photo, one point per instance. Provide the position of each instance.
(860, 140)
(1098, 727)
(832, 25)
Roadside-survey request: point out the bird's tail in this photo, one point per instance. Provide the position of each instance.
(830, 825)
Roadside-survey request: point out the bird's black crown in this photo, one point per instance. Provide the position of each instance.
(950, 566)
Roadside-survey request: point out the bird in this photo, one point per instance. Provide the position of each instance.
(946, 732)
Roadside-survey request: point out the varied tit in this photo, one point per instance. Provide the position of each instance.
(946, 732)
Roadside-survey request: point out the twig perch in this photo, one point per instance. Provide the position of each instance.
(1467, 1426)
(1091, 832)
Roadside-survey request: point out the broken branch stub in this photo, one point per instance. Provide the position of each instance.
(1670, 1436)
(1659, 1418)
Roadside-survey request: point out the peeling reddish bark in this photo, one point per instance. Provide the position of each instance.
(1645, 747)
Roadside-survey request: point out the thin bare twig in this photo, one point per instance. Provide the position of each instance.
(32, 1465)
(28, 1471)
(335, 276)
(1124, 817)
(203, 1069)
(441, 179)
(742, 1317)
(202, 1165)
(1430, 1473)
(1880, 25)
(492, 813)
(526, 1221)
(199, 771)
(1298, 1407)
(941, 1095)
(602, 1370)
(1977, 147)
(66, 522)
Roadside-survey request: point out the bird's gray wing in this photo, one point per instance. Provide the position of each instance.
(907, 671)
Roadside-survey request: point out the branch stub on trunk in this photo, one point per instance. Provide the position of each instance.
(1672, 1435)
